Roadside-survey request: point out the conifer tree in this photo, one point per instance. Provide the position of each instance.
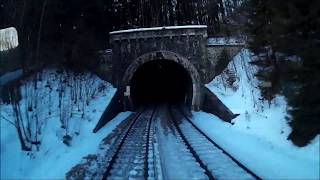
(293, 28)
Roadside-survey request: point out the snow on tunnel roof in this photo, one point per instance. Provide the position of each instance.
(160, 28)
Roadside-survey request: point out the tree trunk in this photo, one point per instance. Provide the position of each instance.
(40, 28)
(18, 119)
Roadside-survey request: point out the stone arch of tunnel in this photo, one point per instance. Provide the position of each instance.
(162, 76)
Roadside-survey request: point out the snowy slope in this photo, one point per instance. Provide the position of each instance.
(225, 41)
(258, 137)
(54, 158)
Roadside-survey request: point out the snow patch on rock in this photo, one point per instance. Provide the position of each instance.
(8, 38)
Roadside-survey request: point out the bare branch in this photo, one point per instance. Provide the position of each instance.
(2, 117)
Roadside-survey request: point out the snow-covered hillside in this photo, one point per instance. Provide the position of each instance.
(258, 137)
(57, 152)
(66, 106)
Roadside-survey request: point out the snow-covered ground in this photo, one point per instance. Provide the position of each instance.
(54, 158)
(10, 76)
(225, 41)
(258, 137)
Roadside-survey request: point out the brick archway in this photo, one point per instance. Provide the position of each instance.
(166, 55)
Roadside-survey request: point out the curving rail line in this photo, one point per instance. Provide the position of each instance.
(136, 156)
(130, 156)
(208, 153)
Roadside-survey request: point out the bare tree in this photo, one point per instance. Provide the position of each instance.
(18, 122)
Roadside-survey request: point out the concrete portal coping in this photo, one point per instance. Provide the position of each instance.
(159, 28)
(168, 55)
(159, 32)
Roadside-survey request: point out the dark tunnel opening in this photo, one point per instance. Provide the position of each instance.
(161, 81)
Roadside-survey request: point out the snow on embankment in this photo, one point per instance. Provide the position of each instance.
(8, 38)
(10, 76)
(224, 41)
(65, 133)
(258, 137)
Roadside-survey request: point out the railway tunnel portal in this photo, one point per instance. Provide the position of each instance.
(171, 64)
(161, 81)
(162, 76)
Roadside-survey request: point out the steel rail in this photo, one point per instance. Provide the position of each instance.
(123, 139)
(146, 167)
(219, 147)
(193, 152)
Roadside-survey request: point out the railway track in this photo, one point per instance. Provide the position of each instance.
(129, 158)
(160, 143)
(217, 163)
(177, 162)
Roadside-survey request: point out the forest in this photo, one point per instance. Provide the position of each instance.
(284, 35)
